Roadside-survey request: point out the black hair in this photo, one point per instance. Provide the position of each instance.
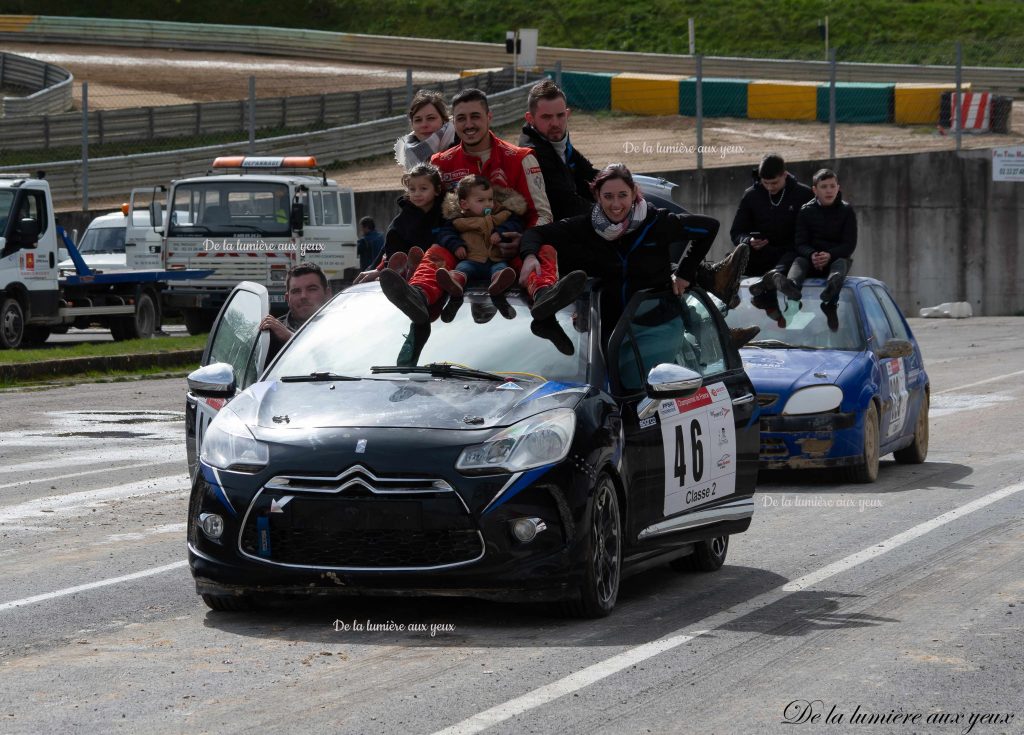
(305, 269)
(772, 166)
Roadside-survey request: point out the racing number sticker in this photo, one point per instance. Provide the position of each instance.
(699, 437)
(898, 395)
(206, 411)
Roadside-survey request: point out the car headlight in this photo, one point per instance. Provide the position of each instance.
(229, 445)
(815, 399)
(534, 442)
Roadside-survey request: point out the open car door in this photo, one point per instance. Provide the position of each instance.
(235, 355)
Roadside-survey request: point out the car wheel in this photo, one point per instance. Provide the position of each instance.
(12, 324)
(918, 450)
(707, 556)
(229, 603)
(866, 470)
(600, 588)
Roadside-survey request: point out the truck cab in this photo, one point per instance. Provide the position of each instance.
(251, 219)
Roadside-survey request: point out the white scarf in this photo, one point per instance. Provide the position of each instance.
(410, 151)
(614, 230)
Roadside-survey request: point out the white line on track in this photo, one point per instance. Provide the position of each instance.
(68, 476)
(982, 382)
(91, 586)
(71, 501)
(603, 669)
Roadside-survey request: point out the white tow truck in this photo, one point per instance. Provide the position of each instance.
(247, 219)
(36, 298)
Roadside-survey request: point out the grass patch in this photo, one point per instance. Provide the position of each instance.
(103, 349)
(113, 376)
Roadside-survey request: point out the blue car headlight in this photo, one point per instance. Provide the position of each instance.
(229, 445)
(533, 442)
(815, 399)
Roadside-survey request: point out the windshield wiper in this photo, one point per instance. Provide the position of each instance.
(771, 343)
(440, 370)
(316, 378)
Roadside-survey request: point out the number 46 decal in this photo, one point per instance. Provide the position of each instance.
(696, 452)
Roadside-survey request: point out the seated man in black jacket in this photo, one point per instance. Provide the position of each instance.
(567, 172)
(826, 236)
(766, 220)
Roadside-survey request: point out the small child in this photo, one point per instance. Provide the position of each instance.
(416, 227)
(826, 236)
(478, 214)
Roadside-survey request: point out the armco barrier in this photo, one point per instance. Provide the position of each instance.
(205, 118)
(114, 176)
(442, 54)
(50, 86)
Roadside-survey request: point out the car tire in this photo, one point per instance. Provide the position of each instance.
(12, 324)
(866, 470)
(198, 321)
(917, 452)
(35, 335)
(707, 556)
(603, 561)
(229, 603)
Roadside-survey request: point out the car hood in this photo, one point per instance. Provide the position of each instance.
(419, 403)
(782, 371)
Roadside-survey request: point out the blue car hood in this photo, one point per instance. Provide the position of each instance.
(783, 371)
(422, 402)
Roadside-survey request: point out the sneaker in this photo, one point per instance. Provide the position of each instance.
(788, 288)
(766, 284)
(410, 300)
(830, 294)
(415, 256)
(552, 331)
(739, 336)
(504, 307)
(451, 309)
(831, 315)
(502, 281)
(398, 261)
(548, 300)
(482, 311)
(451, 282)
(727, 272)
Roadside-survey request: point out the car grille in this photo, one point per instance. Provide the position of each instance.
(357, 520)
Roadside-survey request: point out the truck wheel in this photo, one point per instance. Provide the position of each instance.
(139, 325)
(12, 324)
(198, 321)
(35, 335)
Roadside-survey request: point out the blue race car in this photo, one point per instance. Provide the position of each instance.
(840, 394)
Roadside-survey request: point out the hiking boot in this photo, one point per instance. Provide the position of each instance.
(451, 309)
(548, 300)
(503, 306)
(552, 331)
(451, 282)
(766, 284)
(834, 284)
(502, 281)
(727, 272)
(831, 316)
(410, 300)
(739, 336)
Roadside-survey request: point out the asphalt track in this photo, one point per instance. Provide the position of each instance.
(899, 601)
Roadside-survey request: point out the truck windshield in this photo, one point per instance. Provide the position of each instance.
(227, 208)
(6, 198)
(102, 240)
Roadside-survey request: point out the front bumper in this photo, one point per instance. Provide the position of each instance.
(810, 441)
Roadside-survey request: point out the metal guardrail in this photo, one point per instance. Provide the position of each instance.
(438, 54)
(113, 176)
(132, 125)
(51, 86)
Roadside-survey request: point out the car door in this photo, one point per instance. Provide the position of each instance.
(235, 340)
(699, 451)
(892, 371)
(911, 388)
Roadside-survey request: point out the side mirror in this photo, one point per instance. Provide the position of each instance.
(26, 232)
(298, 217)
(896, 348)
(213, 381)
(156, 215)
(668, 381)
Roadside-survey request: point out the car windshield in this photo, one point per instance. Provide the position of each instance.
(800, 325)
(360, 329)
(102, 240)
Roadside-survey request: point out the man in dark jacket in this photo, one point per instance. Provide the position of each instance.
(826, 236)
(370, 245)
(305, 290)
(567, 172)
(766, 219)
